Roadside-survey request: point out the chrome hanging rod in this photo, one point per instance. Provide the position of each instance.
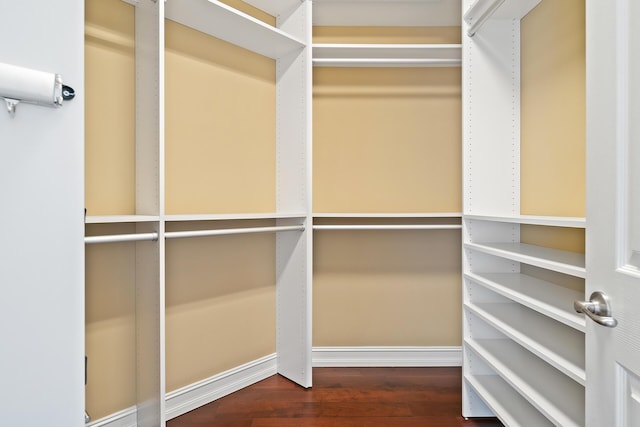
(230, 231)
(118, 238)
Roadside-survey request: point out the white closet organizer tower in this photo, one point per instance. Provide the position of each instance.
(523, 344)
(289, 44)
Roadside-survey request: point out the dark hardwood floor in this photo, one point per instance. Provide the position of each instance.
(344, 397)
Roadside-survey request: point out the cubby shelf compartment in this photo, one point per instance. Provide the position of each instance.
(544, 297)
(511, 408)
(558, 397)
(387, 55)
(558, 345)
(551, 221)
(566, 262)
(226, 23)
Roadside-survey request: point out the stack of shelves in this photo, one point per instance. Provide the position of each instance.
(154, 213)
(524, 346)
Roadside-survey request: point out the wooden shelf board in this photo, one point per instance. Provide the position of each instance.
(511, 408)
(544, 297)
(558, 345)
(570, 263)
(552, 221)
(224, 22)
(558, 397)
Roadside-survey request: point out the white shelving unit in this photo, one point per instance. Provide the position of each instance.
(524, 345)
(289, 43)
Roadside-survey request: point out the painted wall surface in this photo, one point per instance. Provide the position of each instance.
(553, 109)
(387, 140)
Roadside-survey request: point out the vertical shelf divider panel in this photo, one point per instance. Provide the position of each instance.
(293, 194)
(491, 160)
(149, 28)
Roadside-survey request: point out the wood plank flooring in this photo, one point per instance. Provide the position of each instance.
(344, 397)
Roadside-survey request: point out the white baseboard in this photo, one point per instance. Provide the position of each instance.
(206, 391)
(193, 396)
(124, 418)
(386, 356)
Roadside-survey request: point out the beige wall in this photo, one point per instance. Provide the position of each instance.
(386, 140)
(220, 300)
(110, 322)
(553, 109)
(109, 108)
(387, 288)
(220, 126)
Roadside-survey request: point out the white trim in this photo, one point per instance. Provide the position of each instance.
(386, 356)
(124, 418)
(206, 391)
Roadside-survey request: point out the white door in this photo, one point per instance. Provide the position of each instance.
(613, 209)
(41, 223)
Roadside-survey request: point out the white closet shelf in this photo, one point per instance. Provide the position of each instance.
(388, 227)
(558, 397)
(511, 408)
(566, 262)
(387, 55)
(552, 221)
(224, 22)
(388, 215)
(408, 13)
(558, 345)
(114, 219)
(544, 297)
(231, 217)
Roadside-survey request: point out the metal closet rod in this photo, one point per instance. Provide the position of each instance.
(228, 231)
(117, 238)
(390, 227)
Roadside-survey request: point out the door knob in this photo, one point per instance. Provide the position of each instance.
(597, 308)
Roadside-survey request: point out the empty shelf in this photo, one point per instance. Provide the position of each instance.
(512, 409)
(552, 221)
(113, 219)
(544, 297)
(571, 263)
(558, 397)
(558, 345)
